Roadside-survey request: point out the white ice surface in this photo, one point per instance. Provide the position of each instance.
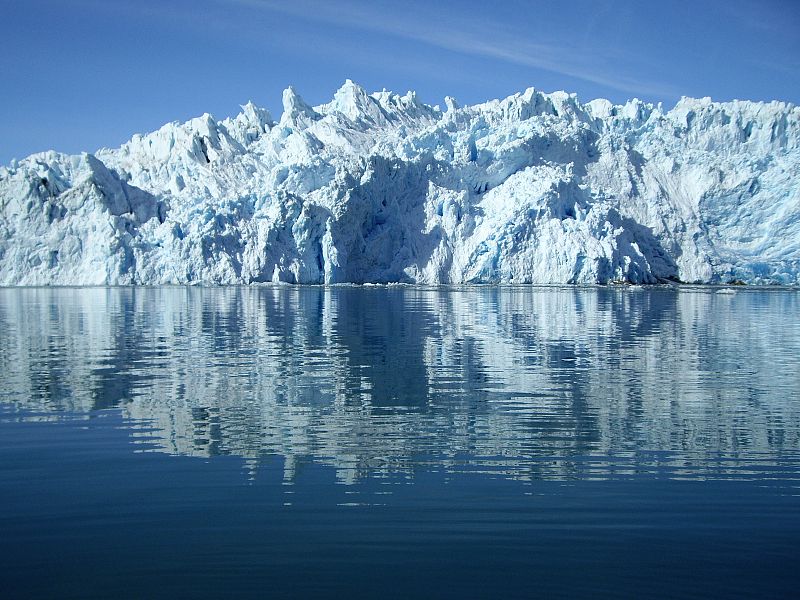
(535, 188)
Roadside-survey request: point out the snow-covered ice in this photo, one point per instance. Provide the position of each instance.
(535, 188)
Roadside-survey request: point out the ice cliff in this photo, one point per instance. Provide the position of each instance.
(535, 188)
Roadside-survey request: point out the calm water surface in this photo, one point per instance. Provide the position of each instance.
(399, 442)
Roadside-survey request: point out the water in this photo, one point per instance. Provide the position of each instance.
(399, 442)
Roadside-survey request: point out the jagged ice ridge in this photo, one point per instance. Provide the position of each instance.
(535, 188)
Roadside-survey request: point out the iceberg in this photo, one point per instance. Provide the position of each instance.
(382, 188)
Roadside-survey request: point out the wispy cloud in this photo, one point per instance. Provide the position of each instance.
(464, 33)
(213, 18)
(768, 15)
(470, 36)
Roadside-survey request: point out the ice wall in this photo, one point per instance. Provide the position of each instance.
(535, 188)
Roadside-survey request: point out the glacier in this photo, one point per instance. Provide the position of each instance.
(381, 188)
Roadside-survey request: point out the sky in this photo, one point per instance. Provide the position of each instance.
(79, 75)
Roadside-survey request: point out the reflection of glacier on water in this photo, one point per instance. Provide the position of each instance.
(387, 382)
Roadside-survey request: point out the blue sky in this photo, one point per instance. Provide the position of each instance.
(80, 74)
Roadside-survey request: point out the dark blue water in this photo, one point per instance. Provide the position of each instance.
(399, 442)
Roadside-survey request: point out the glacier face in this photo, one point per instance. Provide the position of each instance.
(535, 188)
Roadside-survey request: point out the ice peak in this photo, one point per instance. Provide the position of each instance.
(250, 124)
(256, 115)
(350, 87)
(350, 94)
(295, 110)
(410, 99)
(352, 101)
